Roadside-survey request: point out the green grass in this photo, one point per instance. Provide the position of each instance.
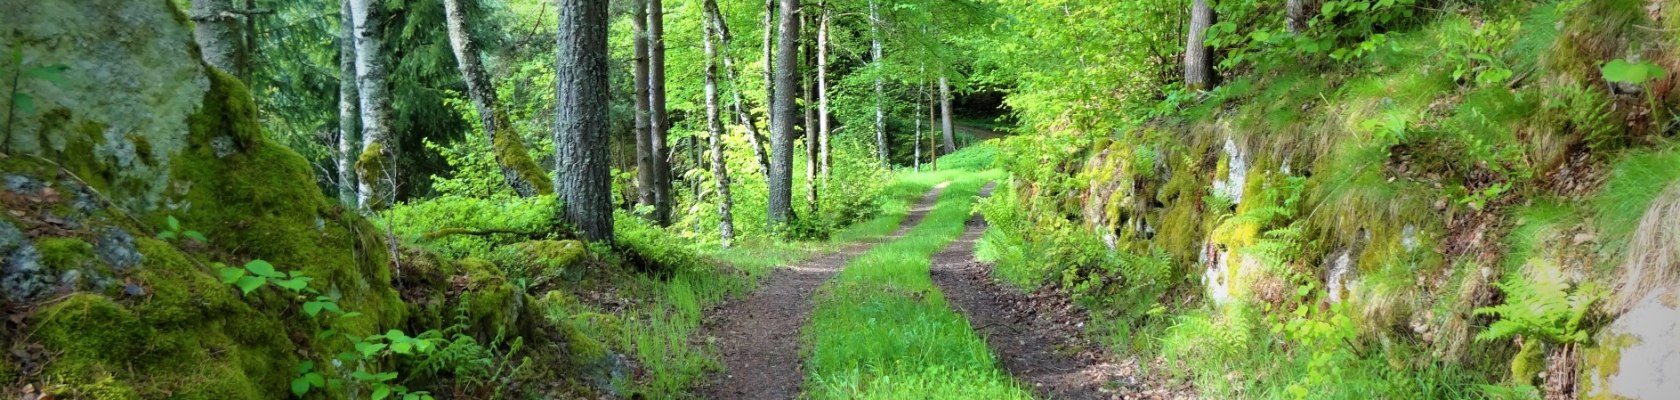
(882, 330)
(1634, 182)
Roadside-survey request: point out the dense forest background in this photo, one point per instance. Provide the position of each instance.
(541, 199)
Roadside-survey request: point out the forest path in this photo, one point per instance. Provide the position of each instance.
(1035, 345)
(758, 337)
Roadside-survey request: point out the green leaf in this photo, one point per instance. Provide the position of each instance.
(1623, 71)
(403, 347)
(316, 380)
(231, 275)
(306, 366)
(312, 308)
(361, 375)
(174, 224)
(381, 392)
(167, 235)
(263, 268)
(351, 314)
(194, 235)
(249, 283)
(294, 284)
(24, 102)
(53, 74)
(369, 349)
(300, 387)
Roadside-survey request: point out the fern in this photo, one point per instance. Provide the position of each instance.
(1542, 306)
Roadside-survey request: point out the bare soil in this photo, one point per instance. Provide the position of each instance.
(758, 336)
(1037, 337)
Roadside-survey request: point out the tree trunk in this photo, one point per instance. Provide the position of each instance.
(377, 183)
(933, 150)
(945, 111)
(518, 169)
(1295, 16)
(660, 121)
(584, 182)
(754, 138)
(880, 88)
(349, 136)
(825, 160)
(782, 117)
(916, 158)
(217, 31)
(714, 130)
(645, 176)
(807, 100)
(769, 59)
(1198, 68)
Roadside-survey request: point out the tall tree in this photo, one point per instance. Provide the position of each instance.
(880, 87)
(661, 123)
(945, 111)
(714, 130)
(645, 175)
(807, 100)
(584, 182)
(518, 169)
(377, 181)
(1198, 67)
(823, 157)
(769, 59)
(216, 28)
(782, 116)
(721, 29)
(349, 134)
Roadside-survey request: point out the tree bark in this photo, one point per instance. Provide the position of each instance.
(825, 160)
(645, 175)
(349, 136)
(769, 59)
(584, 182)
(1198, 68)
(518, 169)
(660, 121)
(782, 121)
(714, 130)
(754, 138)
(1295, 16)
(217, 31)
(933, 150)
(377, 182)
(945, 111)
(880, 88)
(808, 100)
(916, 158)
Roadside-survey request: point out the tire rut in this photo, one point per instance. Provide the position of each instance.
(758, 336)
(1029, 346)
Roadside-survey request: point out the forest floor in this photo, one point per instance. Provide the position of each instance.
(758, 336)
(1036, 337)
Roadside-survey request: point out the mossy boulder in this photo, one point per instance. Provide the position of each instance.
(141, 131)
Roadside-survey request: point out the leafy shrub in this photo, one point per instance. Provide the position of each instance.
(1542, 305)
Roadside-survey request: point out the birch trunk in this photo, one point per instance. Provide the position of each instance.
(349, 136)
(880, 88)
(945, 111)
(714, 130)
(825, 161)
(584, 182)
(782, 113)
(754, 138)
(376, 186)
(518, 169)
(216, 29)
(1295, 16)
(645, 177)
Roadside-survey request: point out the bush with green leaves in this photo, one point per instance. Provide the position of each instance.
(1544, 305)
